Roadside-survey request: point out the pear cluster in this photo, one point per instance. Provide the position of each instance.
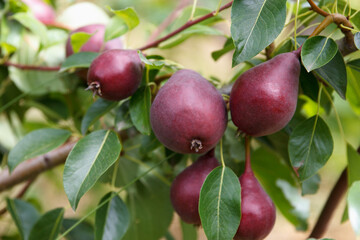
(188, 115)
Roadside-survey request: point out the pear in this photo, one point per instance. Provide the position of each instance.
(188, 114)
(263, 99)
(258, 212)
(185, 189)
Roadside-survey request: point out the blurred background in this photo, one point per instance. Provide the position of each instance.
(194, 53)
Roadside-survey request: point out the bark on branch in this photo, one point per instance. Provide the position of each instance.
(33, 167)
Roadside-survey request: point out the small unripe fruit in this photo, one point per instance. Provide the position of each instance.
(263, 99)
(42, 11)
(95, 42)
(258, 212)
(185, 189)
(115, 74)
(188, 114)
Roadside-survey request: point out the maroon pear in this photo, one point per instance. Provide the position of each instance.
(95, 42)
(185, 189)
(188, 114)
(42, 11)
(115, 74)
(257, 210)
(263, 99)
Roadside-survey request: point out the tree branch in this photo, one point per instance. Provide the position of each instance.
(31, 67)
(331, 204)
(33, 167)
(169, 19)
(20, 194)
(315, 8)
(183, 27)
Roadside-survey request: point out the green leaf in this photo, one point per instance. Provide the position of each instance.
(334, 72)
(128, 15)
(184, 35)
(309, 84)
(354, 206)
(219, 204)
(87, 161)
(48, 226)
(151, 64)
(279, 181)
(140, 104)
(36, 143)
(310, 185)
(112, 219)
(122, 117)
(33, 24)
(353, 88)
(7, 48)
(96, 110)
(318, 51)
(78, 60)
(228, 46)
(78, 39)
(115, 28)
(357, 40)
(354, 64)
(353, 167)
(310, 146)
(23, 214)
(254, 25)
(150, 209)
(188, 231)
(83, 231)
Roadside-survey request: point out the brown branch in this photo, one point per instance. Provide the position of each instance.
(315, 8)
(174, 14)
(183, 27)
(31, 67)
(33, 167)
(331, 204)
(20, 194)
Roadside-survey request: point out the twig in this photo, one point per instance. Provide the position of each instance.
(162, 78)
(33, 167)
(331, 204)
(315, 8)
(174, 14)
(183, 27)
(20, 194)
(269, 50)
(31, 67)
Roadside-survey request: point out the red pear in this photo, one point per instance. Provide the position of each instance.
(188, 114)
(185, 189)
(95, 42)
(263, 99)
(115, 74)
(42, 11)
(257, 210)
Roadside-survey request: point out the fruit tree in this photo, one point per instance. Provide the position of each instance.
(147, 120)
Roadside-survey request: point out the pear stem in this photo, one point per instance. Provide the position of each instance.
(247, 154)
